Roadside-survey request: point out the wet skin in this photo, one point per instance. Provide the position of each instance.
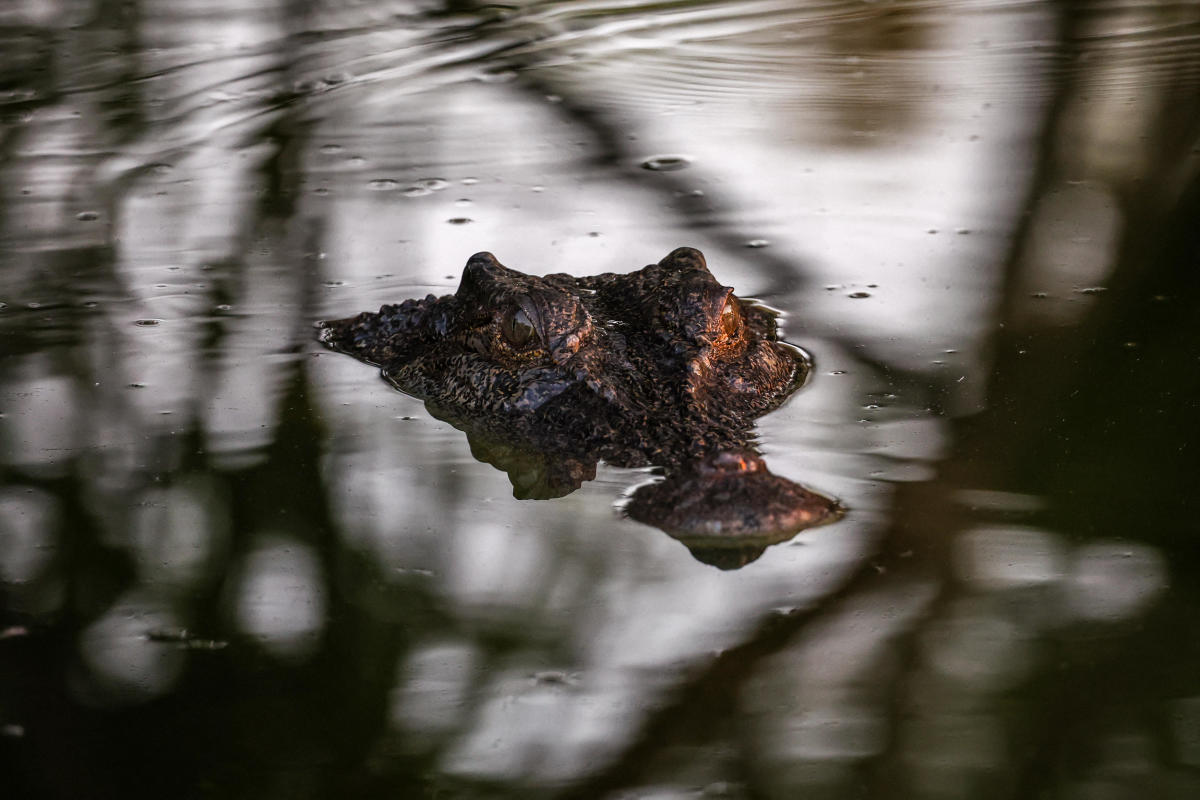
(659, 367)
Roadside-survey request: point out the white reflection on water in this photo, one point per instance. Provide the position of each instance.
(29, 522)
(911, 447)
(836, 734)
(38, 427)
(815, 707)
(976, 646)
(510, 736)
(947, 756)
(882, 148)
(1111, 581)
(998, 558)
(1072, 247)
(180, 533)
(433, 688)
(250, 371)
(279, 597)
(120, 663)
(498, 566)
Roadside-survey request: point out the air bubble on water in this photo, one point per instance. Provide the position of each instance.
(137, 386)
(224, 307)
(147, 322)
(384, 185)
(425, 186)
(755, 244)
(460, 220)
(432, 184)
(666, 163)
(87, 216)
(858, 295)
(462, 202)
(423, 573)
(498, 76)
(469, 181)
(551, 677)
(330, 149)
(1092, 290)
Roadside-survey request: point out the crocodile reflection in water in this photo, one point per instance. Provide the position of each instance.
(659, 367)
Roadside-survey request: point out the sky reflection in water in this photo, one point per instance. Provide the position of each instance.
(233, 561)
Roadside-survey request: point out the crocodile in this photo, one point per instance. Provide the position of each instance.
(662, 367)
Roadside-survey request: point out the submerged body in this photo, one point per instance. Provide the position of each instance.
(663, 366)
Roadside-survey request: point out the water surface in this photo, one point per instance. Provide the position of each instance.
(235, 564)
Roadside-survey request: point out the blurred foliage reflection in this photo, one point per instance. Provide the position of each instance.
(232, 564)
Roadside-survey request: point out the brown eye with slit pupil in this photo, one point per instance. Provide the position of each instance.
(730, 318)
(517, 328)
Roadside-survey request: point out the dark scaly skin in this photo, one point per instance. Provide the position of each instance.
(548, 375)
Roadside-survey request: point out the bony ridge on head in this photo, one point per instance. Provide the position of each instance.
(482, 264)
(684, 258)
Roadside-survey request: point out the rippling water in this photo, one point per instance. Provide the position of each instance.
(233, 563)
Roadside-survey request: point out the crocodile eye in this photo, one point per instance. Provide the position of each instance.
(731, 317)
(517, 328)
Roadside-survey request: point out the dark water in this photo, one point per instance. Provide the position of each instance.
(236, 565)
